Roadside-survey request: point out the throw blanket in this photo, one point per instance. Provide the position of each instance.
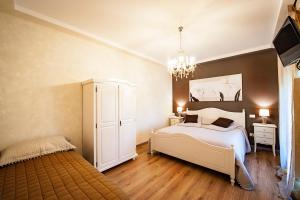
(236, 136)
(242, 176)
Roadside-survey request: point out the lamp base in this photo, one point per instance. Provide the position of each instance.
(264, 120)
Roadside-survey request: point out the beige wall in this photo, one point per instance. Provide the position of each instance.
(297, 124)
(41, 67)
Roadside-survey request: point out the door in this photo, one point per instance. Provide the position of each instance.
(107, 122)
(127, 123)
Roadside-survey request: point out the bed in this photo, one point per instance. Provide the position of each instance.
(59, 175)
(222, 151)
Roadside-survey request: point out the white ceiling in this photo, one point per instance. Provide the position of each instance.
(148, 28)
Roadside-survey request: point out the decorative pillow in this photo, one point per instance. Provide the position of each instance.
(195, 112)
(191, 119)
(199, 118)
(34, 148)
(222, 122)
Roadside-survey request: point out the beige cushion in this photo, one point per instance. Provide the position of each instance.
(34, 148)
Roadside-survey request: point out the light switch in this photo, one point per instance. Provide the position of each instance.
(252, 116)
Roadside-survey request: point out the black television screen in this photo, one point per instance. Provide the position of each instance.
(287, 42)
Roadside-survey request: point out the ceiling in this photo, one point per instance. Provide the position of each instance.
(212, 28)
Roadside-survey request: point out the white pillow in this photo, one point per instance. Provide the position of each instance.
(34, 148)
(199, 119)
(190, 124)
(218, 128)
(207, 121)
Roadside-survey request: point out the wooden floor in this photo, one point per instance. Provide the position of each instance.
(163, 177)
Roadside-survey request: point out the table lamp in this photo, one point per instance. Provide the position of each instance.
(264, 113)
(179, 110)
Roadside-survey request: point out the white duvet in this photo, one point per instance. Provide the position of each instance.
(211, 135)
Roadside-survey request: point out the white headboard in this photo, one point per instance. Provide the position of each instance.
(214, 113)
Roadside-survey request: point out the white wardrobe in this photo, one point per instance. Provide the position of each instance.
(109, 123)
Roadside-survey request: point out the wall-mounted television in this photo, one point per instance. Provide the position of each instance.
(287, 42)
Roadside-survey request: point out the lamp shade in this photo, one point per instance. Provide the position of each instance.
(179, 109)
(264, 112)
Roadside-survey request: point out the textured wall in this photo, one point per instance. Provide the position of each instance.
(41, 67)
(260, 84)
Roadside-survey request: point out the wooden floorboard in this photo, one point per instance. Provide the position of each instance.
(164, 177)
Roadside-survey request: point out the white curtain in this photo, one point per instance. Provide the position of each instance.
(286, 133)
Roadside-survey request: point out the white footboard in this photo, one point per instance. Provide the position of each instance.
(182, 146)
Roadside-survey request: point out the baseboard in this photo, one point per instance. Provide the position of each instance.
(140, 144)
(142, 138)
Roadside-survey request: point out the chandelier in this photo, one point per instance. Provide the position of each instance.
(182, 65)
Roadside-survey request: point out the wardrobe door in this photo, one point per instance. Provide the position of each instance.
(127, 123)
(107, 122)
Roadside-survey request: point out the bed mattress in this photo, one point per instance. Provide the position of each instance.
(237, 137)
(208, 134)
(62, 175)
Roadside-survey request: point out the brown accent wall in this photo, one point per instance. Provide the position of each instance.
(260, 85)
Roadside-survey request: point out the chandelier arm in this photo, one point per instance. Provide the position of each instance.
(180, 28)
(180, 40)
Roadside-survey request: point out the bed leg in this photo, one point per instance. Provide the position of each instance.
(152, 152)
(232, 181)
(135, 156)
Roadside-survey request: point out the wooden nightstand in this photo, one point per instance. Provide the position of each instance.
(175, 120)
(265, 134)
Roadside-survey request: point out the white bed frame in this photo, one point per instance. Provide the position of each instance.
(182, 146)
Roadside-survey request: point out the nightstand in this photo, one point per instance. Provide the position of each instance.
(175, 120)
(265, 134)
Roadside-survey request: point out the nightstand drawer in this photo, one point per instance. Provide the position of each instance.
(174, 121)
(263, 140)
(264, 135)
(263, 129)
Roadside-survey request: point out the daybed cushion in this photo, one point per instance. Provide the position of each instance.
(34, 148)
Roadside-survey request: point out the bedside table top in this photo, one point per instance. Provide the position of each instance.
(265, 125)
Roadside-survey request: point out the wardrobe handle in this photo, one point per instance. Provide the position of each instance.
(120, 123)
